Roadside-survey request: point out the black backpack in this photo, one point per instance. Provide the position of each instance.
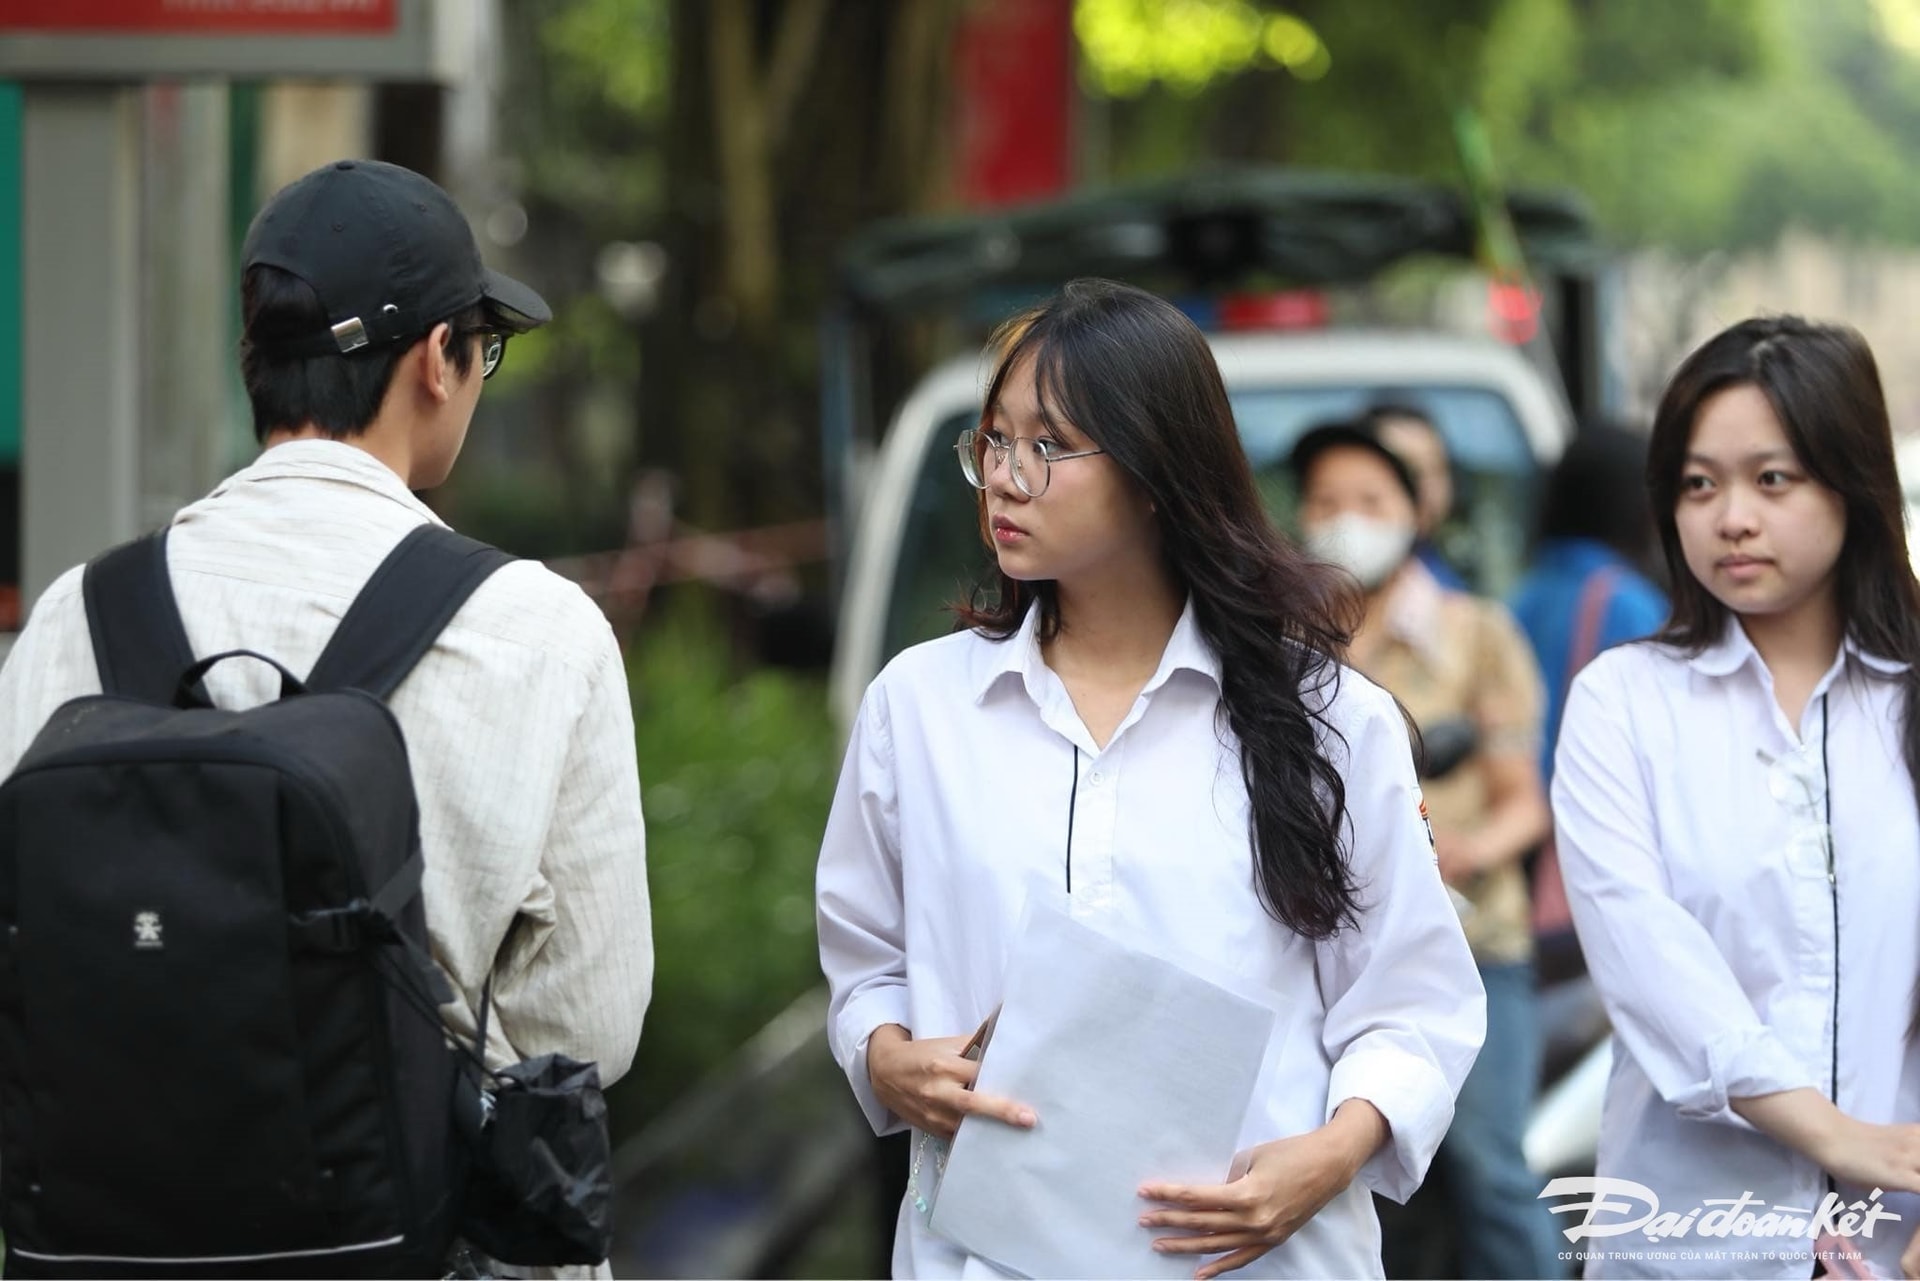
(219, 1046)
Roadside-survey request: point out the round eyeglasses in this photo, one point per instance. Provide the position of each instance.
(1032, 459)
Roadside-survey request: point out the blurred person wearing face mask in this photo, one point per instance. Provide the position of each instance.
(1448, 655)
(1414, 438)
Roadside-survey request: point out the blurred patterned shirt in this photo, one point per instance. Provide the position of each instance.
(517, 723)
(1447, 654)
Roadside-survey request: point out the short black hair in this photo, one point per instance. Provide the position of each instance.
(339, 394)
(1597, 490)
(1360, 433)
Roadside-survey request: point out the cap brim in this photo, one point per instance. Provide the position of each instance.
(513, 304)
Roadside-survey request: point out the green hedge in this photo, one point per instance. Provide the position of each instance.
(736, 776)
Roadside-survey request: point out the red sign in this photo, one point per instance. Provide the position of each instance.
(185, 17)
(1015, 79)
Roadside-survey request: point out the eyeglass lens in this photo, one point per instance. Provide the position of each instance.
(979, 454)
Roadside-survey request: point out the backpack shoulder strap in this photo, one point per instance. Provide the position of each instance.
(1584, 645)
(139, 642)
(401, 611)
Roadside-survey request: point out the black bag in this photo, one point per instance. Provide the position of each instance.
(542, 1188)
(219, 1047)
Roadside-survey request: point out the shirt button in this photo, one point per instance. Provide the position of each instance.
(1094, 778)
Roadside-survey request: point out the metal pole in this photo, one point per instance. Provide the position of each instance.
(80, 305)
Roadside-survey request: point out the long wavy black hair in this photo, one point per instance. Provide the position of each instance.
(1130, 371)
(1824, 387)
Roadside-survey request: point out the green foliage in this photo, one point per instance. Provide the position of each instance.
(597, 74)
(1703, 124)
(1715, 124)
(737, 774)
(1187, 44)
(617, 50)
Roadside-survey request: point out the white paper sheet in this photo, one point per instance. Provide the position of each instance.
(1138, 1070)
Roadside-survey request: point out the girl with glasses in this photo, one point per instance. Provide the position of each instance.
(1734, 803)
(1142, 713)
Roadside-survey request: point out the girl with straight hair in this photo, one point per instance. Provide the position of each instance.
(1734, 803)
(1144, 714)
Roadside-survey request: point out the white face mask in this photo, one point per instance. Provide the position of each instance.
(1367, 548)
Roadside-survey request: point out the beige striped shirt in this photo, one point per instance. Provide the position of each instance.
(517, 722)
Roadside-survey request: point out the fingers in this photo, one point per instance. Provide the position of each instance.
(926, 1082)
(1238, 1259)
(1195, 1220)
(1212, 1243)
(997, 1107)
(1223, 1196)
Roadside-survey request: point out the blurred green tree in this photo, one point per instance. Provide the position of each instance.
(736, 778)
(1714, 125)
(746, 138)
(1709, 124)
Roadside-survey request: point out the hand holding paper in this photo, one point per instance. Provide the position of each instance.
(1271, 1193)
(929, 1084)
(1140, 1070)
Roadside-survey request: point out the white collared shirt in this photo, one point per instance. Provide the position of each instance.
(518, 727)
(956, 793)
(1689, 816)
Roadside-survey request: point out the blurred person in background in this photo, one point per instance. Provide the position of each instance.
(1146, 709)
(1411, 433)
(1589, 585)
(1586, 590)
(1734, 805)
(1449, 656)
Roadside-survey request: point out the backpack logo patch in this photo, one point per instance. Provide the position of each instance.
(146, 930)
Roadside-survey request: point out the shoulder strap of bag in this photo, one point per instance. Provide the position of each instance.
(1595, 596)
(401, 611)
(139, 643)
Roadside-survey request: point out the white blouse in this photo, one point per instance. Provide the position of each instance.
(969, 778)
(1690, 817)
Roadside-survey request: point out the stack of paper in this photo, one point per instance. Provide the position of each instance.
(1138, 1070)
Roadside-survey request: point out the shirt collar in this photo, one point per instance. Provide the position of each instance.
(1413, 610)
(1733, 651)
(334, 460)
(1728, 654)
(1187, 650)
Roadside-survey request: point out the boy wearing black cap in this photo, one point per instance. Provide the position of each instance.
(370, 323)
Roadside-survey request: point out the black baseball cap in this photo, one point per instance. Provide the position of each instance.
(1361, 435)
(389, 255)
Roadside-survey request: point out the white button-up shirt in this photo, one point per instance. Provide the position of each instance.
(956, 793)
(518, 728)
(1690, 820)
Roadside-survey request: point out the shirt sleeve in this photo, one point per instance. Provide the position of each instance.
(51, 662)
(1406, 1012)
(1674, 1001)
(581, 987)
(861, 906)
